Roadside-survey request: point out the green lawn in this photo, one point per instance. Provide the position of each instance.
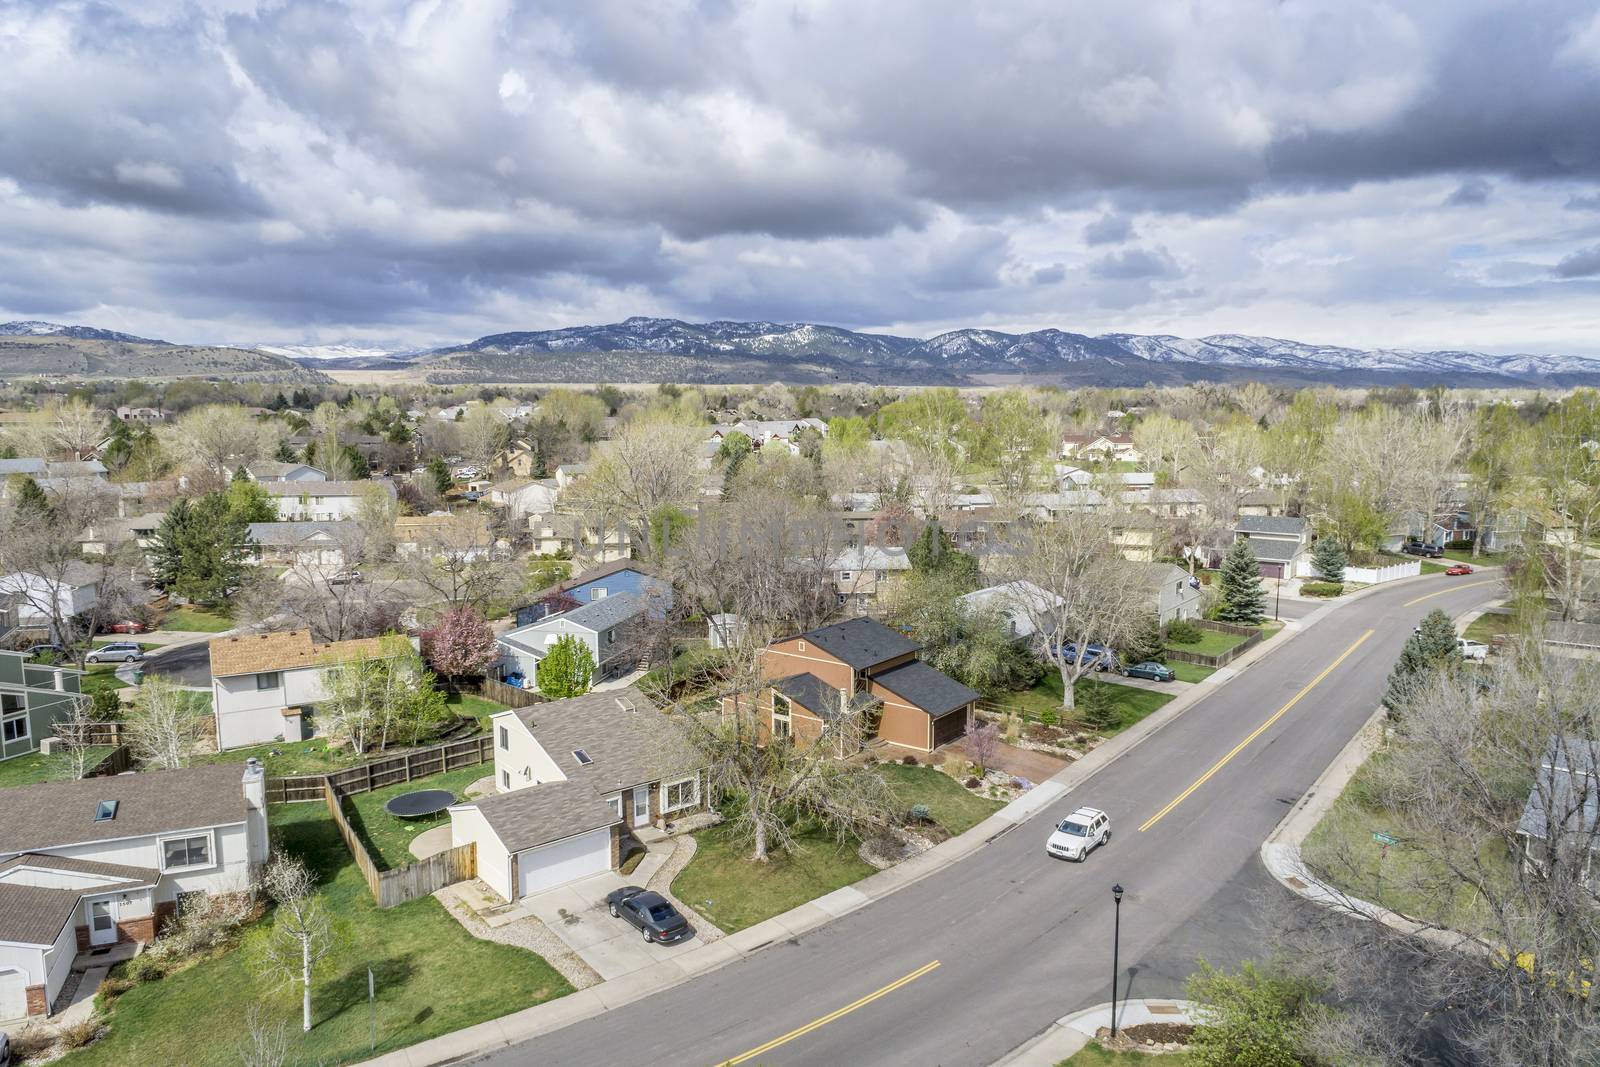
(1430, 567)
(202, 620)
(1094, 1055)
(1131, 704)
(1191, 672)
(99, 677)
(1211, 643)
(1270, 629)
(25, 770)
(950, 805)
(1341, 848)
(727, 887)
(1483, 559)
(1488, 626)
(470, 706)
(388, 838)
(292, 757)
(432, 977)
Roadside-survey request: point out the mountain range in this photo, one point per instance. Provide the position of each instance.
(669, 350)
(653, 349)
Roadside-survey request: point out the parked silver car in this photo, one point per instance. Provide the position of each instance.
(116, 652)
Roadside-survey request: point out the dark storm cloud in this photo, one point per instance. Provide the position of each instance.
(1584, 264)
(376, 163)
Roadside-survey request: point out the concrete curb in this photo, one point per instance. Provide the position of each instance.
(1280, 852)
(699, 959)
(1069, 1034)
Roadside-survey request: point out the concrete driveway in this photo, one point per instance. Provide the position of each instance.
(577, 914)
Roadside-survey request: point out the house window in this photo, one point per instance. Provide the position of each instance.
(802, 646)
(505, 737)
(185, 853)
(685, 793)
(505, 779)
(10, 703)
(597, 594)
(780, 716)
(14, 729)
(616, 805)
(844, 576)
(267, 680)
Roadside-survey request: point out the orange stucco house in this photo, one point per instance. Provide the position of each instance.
(817, 675)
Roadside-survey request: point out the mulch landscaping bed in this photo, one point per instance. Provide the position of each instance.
(1147, 1037)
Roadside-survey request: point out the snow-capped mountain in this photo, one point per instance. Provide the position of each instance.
(815, 352)
(323, 352)
(34, 328)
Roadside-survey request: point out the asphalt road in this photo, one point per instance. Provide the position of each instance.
(184, 665)
(1021, 939)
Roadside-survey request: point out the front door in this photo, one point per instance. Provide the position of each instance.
(102, 922)
(641, 805)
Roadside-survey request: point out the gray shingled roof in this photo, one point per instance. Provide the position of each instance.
(629, 743)
(34, 915)
(1281, 525)
(815, 695)
(929, 689)
(122, 872)
(861, 642)
(1570, 775)
(293, 533)
(50, 814)
(601, 615)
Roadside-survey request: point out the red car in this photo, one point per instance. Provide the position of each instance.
(127, 626)
(1458, 568)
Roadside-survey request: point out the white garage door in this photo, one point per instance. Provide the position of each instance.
(13, 995)
(553, 865)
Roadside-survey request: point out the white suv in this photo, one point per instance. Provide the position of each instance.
(1078, 833)
(1474, 650)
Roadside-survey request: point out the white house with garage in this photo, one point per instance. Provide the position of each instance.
(572, 777)
(88, 863)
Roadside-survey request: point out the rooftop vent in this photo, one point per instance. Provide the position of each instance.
(105, 811)
(625, 704)
(582, 757)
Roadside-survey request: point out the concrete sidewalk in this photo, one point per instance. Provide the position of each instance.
(700, 958)
(1070, 1033)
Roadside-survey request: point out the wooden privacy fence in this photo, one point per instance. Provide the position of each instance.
(390, 888)
(116, 761)
(510, 695)
(391, 770)
(1252, 637)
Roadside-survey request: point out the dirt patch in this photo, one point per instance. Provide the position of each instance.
(1147, 1037)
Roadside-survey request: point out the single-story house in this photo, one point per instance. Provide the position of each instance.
(571, 777)
(1566, 796)
(265, 687)
(1017, 602)
(33, 698)
(859, 666)
(780, 432)
(606, 626)
(1279, 542)
(88, 863)
(322, 501)
(598, 583)
(320, 544)
(105, 534)
(524, 496)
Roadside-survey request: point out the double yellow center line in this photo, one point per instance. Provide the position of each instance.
(831, 1016)
(1446, 592)
(1257, 732)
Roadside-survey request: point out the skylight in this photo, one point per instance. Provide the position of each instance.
(581, 756)
(105, 811)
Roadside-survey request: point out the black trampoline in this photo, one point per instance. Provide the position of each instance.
(422, 802)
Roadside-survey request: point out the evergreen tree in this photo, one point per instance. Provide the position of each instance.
(1093, 705)
(248, 502)
(1145, 644)
(1432, 647)
(934, 553)
(1328, 558)
(1243, 598)
(201, 550)
(441, 475)
(566, 670)
(31, 500)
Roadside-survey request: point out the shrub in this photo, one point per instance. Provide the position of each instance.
(919, 813)
(112, 988)
(31, 1041)
(1049, 717)
(1184, 632)
(144, 967)
(82, 1033)
(908, 761)
(1322, 588)
(972, 783)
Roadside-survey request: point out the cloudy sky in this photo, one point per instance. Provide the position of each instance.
(1422, 174)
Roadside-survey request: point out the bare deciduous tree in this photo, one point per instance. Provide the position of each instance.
(166, 724)
(301, 934)
(652, 463)
(211, 440)
(265, 1044)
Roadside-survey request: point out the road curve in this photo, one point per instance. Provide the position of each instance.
(1020, 939)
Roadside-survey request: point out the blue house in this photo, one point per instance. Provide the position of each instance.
(609, 580)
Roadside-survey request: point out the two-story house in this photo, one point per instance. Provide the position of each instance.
(858, 667)
(609, 627)
(597, 583)
(862, 574)
(265, 687)
(89, 863)
(33, 698)
(571, 778)
(322, 501)
(1279, 542)
(316, 544)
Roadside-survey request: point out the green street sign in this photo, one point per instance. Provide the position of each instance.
(1384, 839)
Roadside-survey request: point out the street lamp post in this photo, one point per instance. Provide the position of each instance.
(1278, 600)
(1116, 944)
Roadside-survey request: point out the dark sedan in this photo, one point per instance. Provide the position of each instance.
(1155, 672)
(652, 913)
